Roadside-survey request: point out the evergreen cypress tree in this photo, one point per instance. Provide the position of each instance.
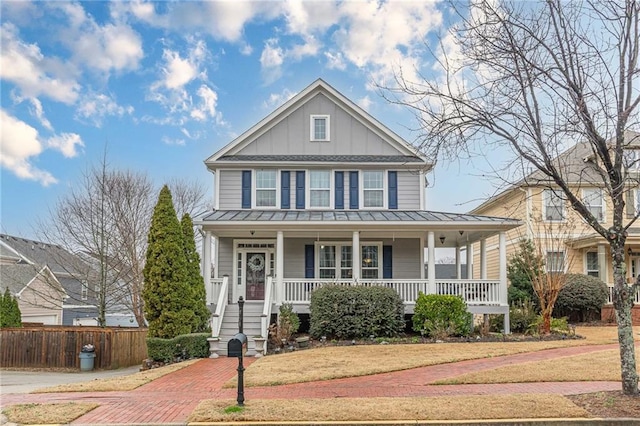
(10, 315)
(196, 282)
(167, 295)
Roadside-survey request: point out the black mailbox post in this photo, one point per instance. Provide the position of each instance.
(237, 346)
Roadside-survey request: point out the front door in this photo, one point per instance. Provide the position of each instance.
(256, 269)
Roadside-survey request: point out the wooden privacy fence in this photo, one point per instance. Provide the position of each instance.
(59, 347)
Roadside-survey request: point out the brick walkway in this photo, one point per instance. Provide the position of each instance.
(172, 398)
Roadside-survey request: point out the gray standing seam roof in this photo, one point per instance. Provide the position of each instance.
(409, 216)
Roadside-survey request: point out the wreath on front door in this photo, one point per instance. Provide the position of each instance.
(256, 263)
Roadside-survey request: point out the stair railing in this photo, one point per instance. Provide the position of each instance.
(266, 310)
(221, 305)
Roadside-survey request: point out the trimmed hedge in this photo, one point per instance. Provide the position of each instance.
(440, 316)
(346, 312)
(581, 298)
(185, 346)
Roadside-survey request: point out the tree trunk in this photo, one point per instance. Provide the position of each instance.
(623, 296)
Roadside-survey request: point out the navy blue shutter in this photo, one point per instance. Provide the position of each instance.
(246, 189)
(300, 190)
(387, 262)
(339, 201)
(309, 266)
(285, 190)
(353, 190)
(393, 190)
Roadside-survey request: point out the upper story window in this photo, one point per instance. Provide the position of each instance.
(319, 188)
(594, 201)
(632, 159)
(266, 188)
(84, 291)
(320, 129)
(372, 189)
(553, 205)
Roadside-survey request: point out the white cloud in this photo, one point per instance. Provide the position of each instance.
(365, 103)
(272, 54)
(173, 141)
(178, 71)
(207, 106)
(18, 144)
(66, 143)
(277, 99)
(335, 60)
(25, 66)
(96, 106)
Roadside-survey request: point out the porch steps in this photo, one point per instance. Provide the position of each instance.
(251, 326)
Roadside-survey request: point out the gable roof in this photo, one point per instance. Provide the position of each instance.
(576, 165)
(19, 276)
(320, 86)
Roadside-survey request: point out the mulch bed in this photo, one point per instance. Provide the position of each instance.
(612, 404)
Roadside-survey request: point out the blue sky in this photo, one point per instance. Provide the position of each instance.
(166, 84)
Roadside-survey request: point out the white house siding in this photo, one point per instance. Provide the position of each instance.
(39, 302)
(292, 135)
(409, 187)
(230, 189)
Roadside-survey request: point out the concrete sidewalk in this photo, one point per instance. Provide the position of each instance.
(172, 398)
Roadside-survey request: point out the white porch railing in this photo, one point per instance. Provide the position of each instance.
(474, 292)
(636, 300)
(213, 288)
(266, 310)
(221, 305)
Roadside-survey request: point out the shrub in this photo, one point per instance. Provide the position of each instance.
(441, 316)
(581, 298)
(288, 324)
(356, 312)
(558, 325)
(185, 346)
(519, 272)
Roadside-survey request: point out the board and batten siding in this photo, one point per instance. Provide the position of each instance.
(291, 135)
(230, 197)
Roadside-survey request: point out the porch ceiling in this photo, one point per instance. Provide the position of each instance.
(451, 229)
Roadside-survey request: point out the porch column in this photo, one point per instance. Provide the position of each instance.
(458, 264)
(603, 274)
(216, 252)
(356, 255)
(279, 290)
(483, 259)
(469, 261)
(431, 265)
(206, 258)
(502, 254)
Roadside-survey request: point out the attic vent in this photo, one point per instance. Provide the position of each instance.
(33, 247)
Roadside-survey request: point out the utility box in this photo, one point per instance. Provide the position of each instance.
(237, 346)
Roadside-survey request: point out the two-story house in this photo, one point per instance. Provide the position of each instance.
(320, 192)
(566, 241)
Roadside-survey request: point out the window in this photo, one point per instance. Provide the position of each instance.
(372, 189)
(266, 193)
(370, 262)
(555, 262)
(346, 263)
(592, 264)
(85, 291)
(320, 128)
(553, 205)
(319, 188)
(594, 202)
(632, 159)
(327, 262)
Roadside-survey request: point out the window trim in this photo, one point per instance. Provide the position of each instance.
(385, 190)
(586, 263)
(254, 190)
(602, 203)
(307, 189)
(312, 127)
(544, 206)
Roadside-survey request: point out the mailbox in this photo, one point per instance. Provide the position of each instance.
(237, 346)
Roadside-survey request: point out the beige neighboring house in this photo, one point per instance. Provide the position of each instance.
(566, 241)
(39, 293)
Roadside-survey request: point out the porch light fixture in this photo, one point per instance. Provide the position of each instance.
(252, 232)
(461, 232)
(442, 239)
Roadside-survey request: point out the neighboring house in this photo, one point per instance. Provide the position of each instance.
(40, 296)
(320, 192)
(566, 241)
(79, 306)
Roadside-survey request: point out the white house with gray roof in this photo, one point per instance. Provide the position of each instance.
(320, 192)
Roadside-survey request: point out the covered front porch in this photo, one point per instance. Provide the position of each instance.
(275, 257)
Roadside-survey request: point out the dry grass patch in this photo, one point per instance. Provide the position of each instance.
(33, 414)
(603, 335)
(595, 366)
(123, 383)
(334, 362)
(372, 409)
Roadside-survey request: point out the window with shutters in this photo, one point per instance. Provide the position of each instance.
(319, 189)
(373, 189)
(334, 260)
(266, 184)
